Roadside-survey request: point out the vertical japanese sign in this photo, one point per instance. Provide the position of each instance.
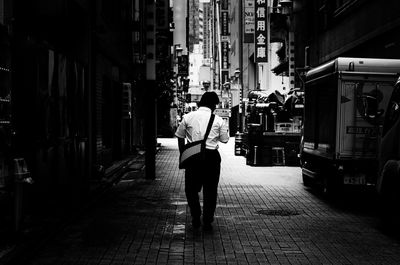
(261, 31)
(248, 21)
(224, 14)
(225, 54)
(225, 23)
(150, 41)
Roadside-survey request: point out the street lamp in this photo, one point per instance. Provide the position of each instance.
(178, 51)
(237, 73)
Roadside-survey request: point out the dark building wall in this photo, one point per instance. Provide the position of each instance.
(114, 66)
(109, 123)
(50, 104)
(49, 87)
(69, 67)
(359, 28)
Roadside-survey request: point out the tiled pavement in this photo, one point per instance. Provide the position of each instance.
(264, 216)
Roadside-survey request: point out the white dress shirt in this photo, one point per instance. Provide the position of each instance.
(194, 125)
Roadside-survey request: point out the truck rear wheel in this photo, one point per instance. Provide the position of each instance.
(390, 197)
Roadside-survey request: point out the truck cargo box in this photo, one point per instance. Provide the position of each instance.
(345, 104)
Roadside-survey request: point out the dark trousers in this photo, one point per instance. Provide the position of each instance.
(206, 177)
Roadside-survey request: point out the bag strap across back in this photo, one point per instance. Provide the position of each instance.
(208, 129)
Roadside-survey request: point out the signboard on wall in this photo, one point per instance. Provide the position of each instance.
(261, 31)
(126, 101)
(225, 54)
(223, 112)
(224, 41)
(248, 21)
(225, 23)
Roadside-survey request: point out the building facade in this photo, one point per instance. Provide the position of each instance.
(73, 92)
(354, 28)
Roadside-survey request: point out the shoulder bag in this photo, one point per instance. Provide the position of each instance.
(194, 153)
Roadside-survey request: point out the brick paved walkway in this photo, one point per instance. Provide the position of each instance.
(264, 216)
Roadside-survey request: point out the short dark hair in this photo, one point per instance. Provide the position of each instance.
(209, 99)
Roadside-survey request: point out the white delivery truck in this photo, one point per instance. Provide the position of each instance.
(345, 104)
(389, 155)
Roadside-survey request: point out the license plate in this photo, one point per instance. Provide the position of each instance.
(358, 179)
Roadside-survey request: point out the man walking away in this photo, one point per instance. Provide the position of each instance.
(193, 128)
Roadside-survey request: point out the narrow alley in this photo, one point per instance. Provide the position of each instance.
(264, 216)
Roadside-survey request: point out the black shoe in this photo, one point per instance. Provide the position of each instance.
(207, 227)
(196, 223)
